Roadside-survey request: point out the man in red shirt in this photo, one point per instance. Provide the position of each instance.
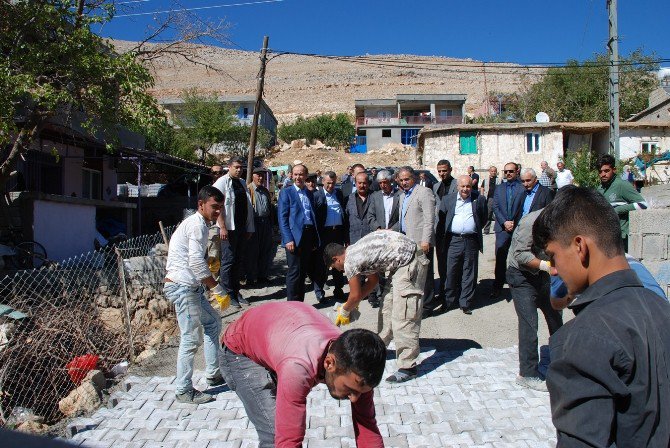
(273, 356)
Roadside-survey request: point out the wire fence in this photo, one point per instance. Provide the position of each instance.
(94, 311)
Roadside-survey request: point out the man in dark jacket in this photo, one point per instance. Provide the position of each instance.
(461, 217)
(608, 381)
(385, 204)
(537, 196)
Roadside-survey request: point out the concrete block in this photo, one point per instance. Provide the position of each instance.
(649, 221)
(655, 247)
(635, 245)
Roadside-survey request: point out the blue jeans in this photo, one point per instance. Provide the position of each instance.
(193, 314)
(257, 388)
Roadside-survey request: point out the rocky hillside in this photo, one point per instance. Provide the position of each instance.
(304, 85)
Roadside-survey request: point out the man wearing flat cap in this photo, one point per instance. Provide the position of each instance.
(258, 259)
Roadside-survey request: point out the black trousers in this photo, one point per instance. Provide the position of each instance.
(530, 292)
(462, 259)
(258, 256)
(489, 217)
(503, 241)
(441, 254)
(232, 261)
(299, 262)
(332, 234)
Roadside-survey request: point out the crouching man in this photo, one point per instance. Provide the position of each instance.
(187, 271)
(406, 265)
(276, 353)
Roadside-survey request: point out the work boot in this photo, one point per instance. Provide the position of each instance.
(194, 396)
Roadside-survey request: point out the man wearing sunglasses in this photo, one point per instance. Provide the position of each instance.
(507, 204)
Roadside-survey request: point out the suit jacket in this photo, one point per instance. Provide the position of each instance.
(452, 189)
(500, 205)
(347, 188)
(419, 215)
(543, 196)
(378, 213)
(321, 207)
(358, 226)
(427, 183)
(291, 215)
(447, 211)
(485, 184)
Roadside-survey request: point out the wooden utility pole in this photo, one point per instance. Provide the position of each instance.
(257, 110)
(613, 49)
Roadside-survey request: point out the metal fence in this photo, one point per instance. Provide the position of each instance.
(56, 322)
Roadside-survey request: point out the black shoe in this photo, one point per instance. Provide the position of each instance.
(495, 294)
(443, 308)
(216, 381)
(374, 303)
(466, 310)
(402, 375)
(426, 313)
(242, 300)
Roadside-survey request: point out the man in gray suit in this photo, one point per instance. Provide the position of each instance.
(461, 218)
(385, 203)
(446, 186)
(417, 221)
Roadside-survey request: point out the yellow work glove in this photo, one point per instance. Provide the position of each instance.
(342, 317)
(222, 299)
(214, 264)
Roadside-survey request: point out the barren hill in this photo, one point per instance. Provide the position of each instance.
(305, 85)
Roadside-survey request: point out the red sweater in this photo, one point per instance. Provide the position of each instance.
(291, 338)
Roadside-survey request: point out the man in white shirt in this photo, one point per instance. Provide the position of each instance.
(563, 176)
(187, 272)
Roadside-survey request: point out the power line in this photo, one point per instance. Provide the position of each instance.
(199, 8)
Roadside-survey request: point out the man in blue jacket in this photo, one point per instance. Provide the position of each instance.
(507, 205)
(299, 233)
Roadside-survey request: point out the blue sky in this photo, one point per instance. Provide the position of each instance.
(520, 31)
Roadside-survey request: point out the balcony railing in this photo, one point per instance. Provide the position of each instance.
(414, 120)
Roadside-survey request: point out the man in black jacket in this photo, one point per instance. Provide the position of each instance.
(385, 204)
(609, 381)
(537, 196)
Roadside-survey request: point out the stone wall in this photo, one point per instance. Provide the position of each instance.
(649, 241)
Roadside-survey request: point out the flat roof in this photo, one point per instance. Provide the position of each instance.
(412, 97)
(578, 127)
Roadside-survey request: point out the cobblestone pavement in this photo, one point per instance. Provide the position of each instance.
(460, 399)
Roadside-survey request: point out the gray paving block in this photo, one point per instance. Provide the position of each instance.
(121, 435)
(224, 444)
(157, 435)
(181, 434)
(140, 423)
(212, 434)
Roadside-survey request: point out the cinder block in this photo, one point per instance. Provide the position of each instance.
(635, 245)
(650, 221)
(654, 247)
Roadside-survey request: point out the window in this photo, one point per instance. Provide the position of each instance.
(91, 184)
(386, 133)
(446, 113)
(384, 115)
(649, 147)
(243, 112)
(408, 136)
(532, 142)
(468, 142)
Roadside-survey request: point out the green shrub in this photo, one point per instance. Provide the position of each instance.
(333, 130)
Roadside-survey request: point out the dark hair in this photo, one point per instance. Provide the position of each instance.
(357, 165)
(516, 165)
(330, 174)
(236, 159)
(444, 162)
(409, 169)
(330, 251)
(361, 352)
(579, 211)
(209, 191)
(472, 167)
(606, 159)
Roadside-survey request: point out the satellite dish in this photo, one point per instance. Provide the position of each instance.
(542, 117)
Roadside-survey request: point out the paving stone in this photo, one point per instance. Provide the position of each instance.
(224, 444)
(157, 435)
(179, 434)
(212, 434)
(153, 444)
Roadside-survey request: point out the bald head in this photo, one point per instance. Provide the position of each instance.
(464, 183)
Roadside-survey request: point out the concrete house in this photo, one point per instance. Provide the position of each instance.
(659, 105)
(399, 120)
(243, 105)
(482, 145)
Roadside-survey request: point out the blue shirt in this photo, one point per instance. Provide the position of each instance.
(333, 210)
(405, 204)
(529, 199)
(306, 206)
(464, 221)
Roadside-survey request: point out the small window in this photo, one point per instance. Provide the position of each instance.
(532, 142)
(468, 141)
(446, 113)
(386, 133)
(246, 112)
(362, 132)
(649, 147)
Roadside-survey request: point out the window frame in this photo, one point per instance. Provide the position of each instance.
(534, 143)
(470, 140)
(387, 131)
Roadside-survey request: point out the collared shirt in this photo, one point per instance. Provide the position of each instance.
(187, 259)
(306, 206)
(563, 178)
(333, 210)
(464, 220)
(293, 347)
(388, 206)
(260, 200)
(405, 204)
(360, 203)
(528, 201)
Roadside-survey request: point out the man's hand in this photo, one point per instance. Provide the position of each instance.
(290, 247)
(223, 234)
(342, 317)
(425, 247)
(509, 226)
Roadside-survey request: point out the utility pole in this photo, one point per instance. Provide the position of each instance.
(257, 109)
(613, 49)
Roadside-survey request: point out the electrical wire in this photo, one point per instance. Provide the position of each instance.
(198, 8)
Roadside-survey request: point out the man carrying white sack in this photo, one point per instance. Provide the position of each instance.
(405, 265)
(187, 272)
